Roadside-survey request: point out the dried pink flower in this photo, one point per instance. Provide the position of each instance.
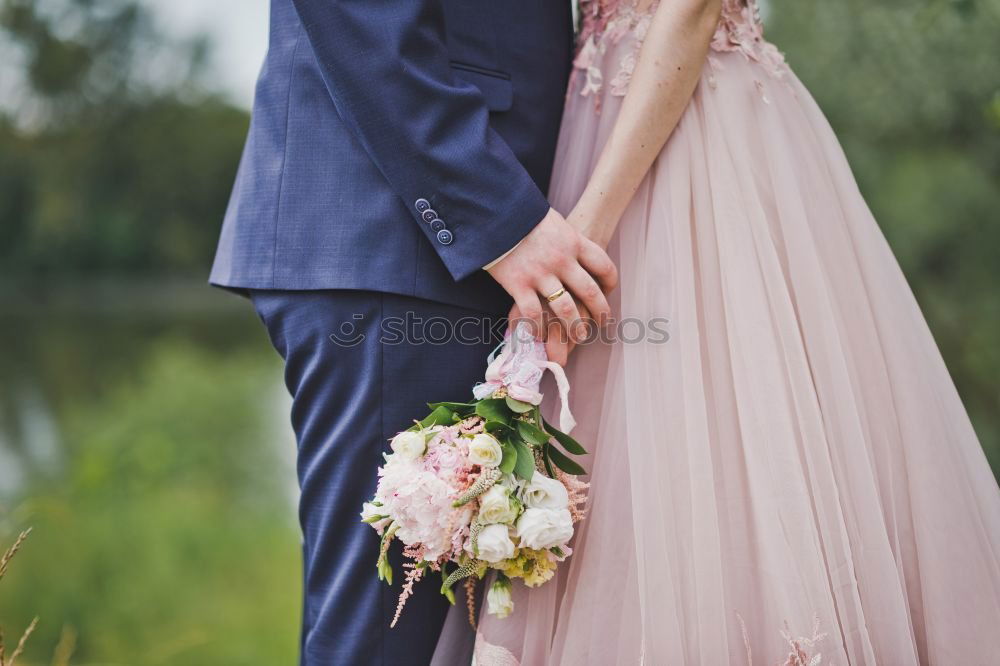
(413, 574)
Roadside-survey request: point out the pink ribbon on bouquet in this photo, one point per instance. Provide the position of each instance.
(519, 367)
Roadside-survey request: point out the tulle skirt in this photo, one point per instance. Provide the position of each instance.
(791, 472)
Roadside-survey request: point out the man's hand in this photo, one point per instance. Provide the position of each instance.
(552, 257)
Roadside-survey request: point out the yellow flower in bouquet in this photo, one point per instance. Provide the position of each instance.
(534, 566)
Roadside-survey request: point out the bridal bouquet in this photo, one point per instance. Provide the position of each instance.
(483, 485)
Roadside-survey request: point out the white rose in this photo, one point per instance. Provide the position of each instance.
(494, 544)
(499, 598)
(484, 449)
(409, 444)
(544, 528)
(495, 506)
(545, 493)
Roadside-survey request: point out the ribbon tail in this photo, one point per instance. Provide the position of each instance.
(566, 420)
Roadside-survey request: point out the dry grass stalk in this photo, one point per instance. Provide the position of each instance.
(65, 647)
(4, 563)
(20, 644)
(12, 551)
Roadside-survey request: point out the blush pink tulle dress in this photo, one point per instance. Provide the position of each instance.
(791, 478)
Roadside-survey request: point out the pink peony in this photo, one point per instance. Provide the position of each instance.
(418, 494)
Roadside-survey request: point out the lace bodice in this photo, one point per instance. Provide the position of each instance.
(606, 22)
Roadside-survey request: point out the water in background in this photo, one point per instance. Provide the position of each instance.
(144, 437)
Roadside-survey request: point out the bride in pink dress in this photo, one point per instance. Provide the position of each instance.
(791, 477)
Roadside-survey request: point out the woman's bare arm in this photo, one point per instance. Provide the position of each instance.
(666, 73)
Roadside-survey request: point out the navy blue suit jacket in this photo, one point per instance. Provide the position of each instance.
(397, 145)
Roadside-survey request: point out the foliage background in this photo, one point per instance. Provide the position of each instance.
(142, 425)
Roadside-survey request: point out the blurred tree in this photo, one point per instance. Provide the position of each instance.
(77, 53)
(913, 92)
(115, 158)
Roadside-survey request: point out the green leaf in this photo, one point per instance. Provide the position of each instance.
(546, 451)
(524, 467)
(567, 442)
(493, 409)
(463, 408)
(532, 433)
(563, 462)
(493, 426)
(442, 415)
(517, 406)
(509, 457)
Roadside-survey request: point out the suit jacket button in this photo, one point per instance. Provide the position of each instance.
(421, 205)
(429, 215)
(437, 224)
(445, 237)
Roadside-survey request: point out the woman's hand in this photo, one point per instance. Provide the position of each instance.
(593, 225)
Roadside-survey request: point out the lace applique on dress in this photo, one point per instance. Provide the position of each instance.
(606, 22)
(740, 29)
(800, 647)
(487, 654)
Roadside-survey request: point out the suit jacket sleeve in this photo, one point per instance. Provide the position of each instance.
(387, 69)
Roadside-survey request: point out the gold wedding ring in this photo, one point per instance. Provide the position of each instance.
(555, 294)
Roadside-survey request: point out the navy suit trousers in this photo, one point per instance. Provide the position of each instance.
(360, 366)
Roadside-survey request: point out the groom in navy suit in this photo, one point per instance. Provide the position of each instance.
(397, 148)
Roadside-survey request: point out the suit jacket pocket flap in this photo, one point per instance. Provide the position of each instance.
(495, 85)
